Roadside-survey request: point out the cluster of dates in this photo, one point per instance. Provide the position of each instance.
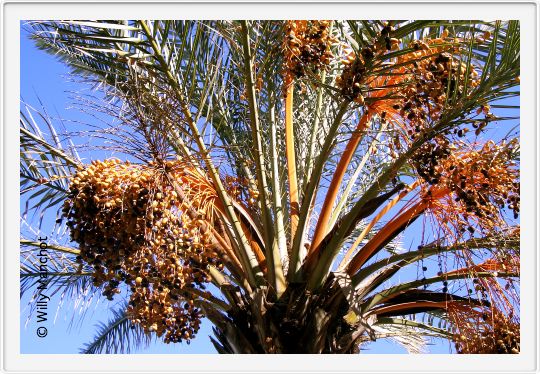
(307, 45)
(486, 331)
(479, 184)
(133, 228)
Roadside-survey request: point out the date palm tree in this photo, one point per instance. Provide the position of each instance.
(271, 171)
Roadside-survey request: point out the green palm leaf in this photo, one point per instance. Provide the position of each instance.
(45, 164)
(117, 335)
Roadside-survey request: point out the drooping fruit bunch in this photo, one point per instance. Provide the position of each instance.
(425, 77)
(306, 46)
(352, 80)
(428, 157)
(145, 226)
(484, 331)
(435, 76)
(481, 183)
(164, 312)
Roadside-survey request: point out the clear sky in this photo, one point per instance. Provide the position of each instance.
(45, 78)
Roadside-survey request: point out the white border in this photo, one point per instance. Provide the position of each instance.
(13, 12)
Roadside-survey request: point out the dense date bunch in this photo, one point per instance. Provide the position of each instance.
(485, 331)
(435, 75)
(164, 312)
(481, 183)
(306, 45)
(134, 228)
(353, 80)
(428, 157)
(417, 89)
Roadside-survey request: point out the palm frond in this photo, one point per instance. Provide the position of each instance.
(497, 242)
(437, 331)
(413, 340)
(45, 163)
(117, 335)
(60, 277)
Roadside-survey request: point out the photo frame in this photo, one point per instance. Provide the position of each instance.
(13, 12)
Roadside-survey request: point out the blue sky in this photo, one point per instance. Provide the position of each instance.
(44, 78)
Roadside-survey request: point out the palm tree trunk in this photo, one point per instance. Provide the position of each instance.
(299, 322)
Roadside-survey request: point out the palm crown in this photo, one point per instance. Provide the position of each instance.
(274, 166)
